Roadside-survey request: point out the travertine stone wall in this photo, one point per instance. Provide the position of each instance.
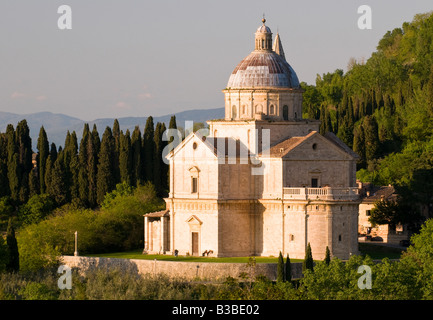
(184, 270)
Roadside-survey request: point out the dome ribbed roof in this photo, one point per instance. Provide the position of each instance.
(263, 69)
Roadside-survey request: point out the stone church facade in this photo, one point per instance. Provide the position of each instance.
(263, 180)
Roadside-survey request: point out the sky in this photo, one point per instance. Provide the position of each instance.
(137, 58)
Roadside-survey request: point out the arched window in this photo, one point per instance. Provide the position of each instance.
(244, 109)
(259, 108)
(286, 113)
(272, 109)
(234, 113)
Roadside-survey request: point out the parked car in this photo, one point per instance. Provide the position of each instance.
(405, 243)
(377, 239)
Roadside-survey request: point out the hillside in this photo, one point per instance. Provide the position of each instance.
(383, 109)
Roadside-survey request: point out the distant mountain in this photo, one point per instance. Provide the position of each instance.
(56, 125)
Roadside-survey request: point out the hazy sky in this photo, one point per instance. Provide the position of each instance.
(139, 58)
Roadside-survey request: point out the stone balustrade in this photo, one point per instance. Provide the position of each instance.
(325, 193)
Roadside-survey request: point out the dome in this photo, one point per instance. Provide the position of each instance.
(261, 69)
(264, 29)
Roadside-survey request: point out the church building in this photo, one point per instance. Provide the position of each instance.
(262, 180)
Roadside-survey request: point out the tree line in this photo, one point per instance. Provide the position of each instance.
(81, 173)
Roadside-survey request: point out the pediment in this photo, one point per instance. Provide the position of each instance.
(193, 220)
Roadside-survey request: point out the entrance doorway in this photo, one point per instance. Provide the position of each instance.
(194, 241)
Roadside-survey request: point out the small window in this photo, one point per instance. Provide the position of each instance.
(272, 109)
(194, 145)
(314, 146)
(368, 213)
(339, 237)
(194, 185)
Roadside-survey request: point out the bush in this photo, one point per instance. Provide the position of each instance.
(119, 227)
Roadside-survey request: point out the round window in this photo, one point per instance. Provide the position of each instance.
(314, 146)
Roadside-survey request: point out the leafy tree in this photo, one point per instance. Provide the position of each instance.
(36, 209)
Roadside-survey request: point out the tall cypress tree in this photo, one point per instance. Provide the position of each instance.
(125, 158)
(83, 177)
(149, 150)
(12, 163)
(164, 166)
(105, 175)
(327, 259)
(13, 264)
(24, 144)
(4, 185)
(280, 268)
(308, 263)
(157, 160)
(288, 269)
(93, 148)
(116, 137)
(43, 152)
(136, 151)
(56, 186)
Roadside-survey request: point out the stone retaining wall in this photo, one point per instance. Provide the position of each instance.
(186, 270)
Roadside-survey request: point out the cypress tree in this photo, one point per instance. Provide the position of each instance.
(43, 152)
(280, 268)
(359, 144)
(327, 256)
(172, 125)
(136, 151)
(13, 263)
(33, 183)
(4, 185)
(371, 138)
(308, 263)
(24, 151)
(48, 174)
(83, 179)
(288, 271)
(53, 152)
(157, 160)
(12, 163)
(116, 137)
(125, 158)
(71, 166)
(93, 148)
(149, 150)
(164, 166)
(105, 175)
(56, 186)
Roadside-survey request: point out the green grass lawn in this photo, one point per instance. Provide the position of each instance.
(378, 252)
(138, 255)
(375, 251)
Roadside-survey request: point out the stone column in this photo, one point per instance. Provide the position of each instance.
(146, 230)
